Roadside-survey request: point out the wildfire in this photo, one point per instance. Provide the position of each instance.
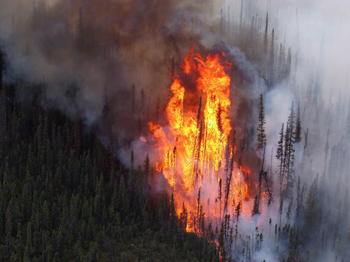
(197, 148)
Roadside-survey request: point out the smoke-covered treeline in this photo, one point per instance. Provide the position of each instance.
(110, 64)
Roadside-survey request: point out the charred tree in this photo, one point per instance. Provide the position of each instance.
(198, 218)
(218, 117)
(256, 206)
(268, 188)
(198, 143)
(220, 195)
(229, 177)
(272, 59)
(298, 126)
(305, 142)
(238, 210)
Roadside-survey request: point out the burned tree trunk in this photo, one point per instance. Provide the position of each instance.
(229, 177)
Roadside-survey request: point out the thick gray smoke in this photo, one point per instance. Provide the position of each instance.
(109, 63)
(85, 52)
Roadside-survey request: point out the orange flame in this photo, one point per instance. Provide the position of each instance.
(195, 153)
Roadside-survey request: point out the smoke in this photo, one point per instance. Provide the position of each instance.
(317, 35)
(109, 63)
(84, 52)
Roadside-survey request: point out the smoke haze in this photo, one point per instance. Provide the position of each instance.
(109, 63)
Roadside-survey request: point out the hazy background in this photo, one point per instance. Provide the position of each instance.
(116, 75)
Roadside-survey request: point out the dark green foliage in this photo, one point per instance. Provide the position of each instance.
(311, 207)
(61, 199)
(289, 140)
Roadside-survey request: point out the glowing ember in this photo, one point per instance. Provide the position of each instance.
(196, 150)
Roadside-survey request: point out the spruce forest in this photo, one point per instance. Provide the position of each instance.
(163, 130)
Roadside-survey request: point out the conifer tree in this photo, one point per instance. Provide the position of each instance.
(3, 104)
(298, 126)
(281, 208)
(256, 206)
(311, 207)
(266, 30)
(280, 156)
(289, 210)
(230, 171)
(261, 127)
(183, 217)
(28, 248)
(289, 153)
(172, 214)
(272, 59)
(220, 195)
(326, 151)
(299, 199)
(238, 210)
(146, 172)
(268, 188)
